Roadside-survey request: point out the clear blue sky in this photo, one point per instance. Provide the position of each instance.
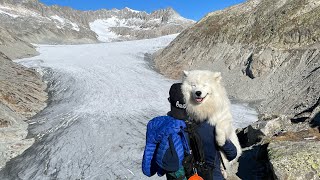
(191, 9)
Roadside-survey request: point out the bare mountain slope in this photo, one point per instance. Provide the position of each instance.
(268, 51)
(14, 47)
(22, 95)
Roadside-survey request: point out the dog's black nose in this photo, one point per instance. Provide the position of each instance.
(198, 93)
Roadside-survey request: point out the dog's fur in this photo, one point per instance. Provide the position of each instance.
(211, 104)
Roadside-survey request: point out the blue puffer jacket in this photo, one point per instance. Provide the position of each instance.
(165, 146)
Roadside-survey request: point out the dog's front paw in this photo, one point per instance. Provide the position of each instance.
(220, 137)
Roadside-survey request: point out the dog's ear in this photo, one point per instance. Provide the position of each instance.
(185, 73)
(217, 76)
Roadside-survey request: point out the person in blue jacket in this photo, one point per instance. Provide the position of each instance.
(166, 140)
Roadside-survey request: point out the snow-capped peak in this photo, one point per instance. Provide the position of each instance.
(87, 26)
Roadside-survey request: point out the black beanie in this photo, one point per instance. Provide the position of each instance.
(178, 106)
(176, 98)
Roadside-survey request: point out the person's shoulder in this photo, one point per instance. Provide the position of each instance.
(158, 120)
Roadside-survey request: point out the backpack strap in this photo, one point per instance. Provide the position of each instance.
(195, 143)
(224, 166)
(184, 140)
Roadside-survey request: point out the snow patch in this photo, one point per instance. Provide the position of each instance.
(9, 14)
(157, 21)
(18, 11)
(134, 11)
(176, 19)
(64, 22)
(101, 28)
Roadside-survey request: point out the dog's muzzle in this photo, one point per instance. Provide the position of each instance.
(198, 98)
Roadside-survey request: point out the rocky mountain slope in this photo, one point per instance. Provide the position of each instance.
(22, 95)
(35, 22)
(268, 51)
(269, 54)
(14, 47)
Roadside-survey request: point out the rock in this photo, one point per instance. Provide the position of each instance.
(13, 131)
(295, 159)
(267, 127)
(14, 47)
(302, 135)
(21, 89)
(275, 145)
(311, 114)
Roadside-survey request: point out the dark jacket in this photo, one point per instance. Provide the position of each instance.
(211, 150)
(165, 146)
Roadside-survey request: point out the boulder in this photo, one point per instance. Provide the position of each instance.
(267, 127)
(295, 159)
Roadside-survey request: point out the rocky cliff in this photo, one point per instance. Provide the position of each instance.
(269, 54)
(35, 22)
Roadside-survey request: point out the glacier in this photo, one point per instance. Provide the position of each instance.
(101, 98)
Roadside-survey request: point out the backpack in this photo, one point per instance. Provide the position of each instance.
(170, 161)
(194, 161)
(164, 151)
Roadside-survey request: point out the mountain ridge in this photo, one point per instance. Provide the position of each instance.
(37, 23)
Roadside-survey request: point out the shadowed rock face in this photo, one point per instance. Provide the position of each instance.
(267, 51)
(22, 95)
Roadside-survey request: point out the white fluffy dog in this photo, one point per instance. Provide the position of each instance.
(207, 99)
